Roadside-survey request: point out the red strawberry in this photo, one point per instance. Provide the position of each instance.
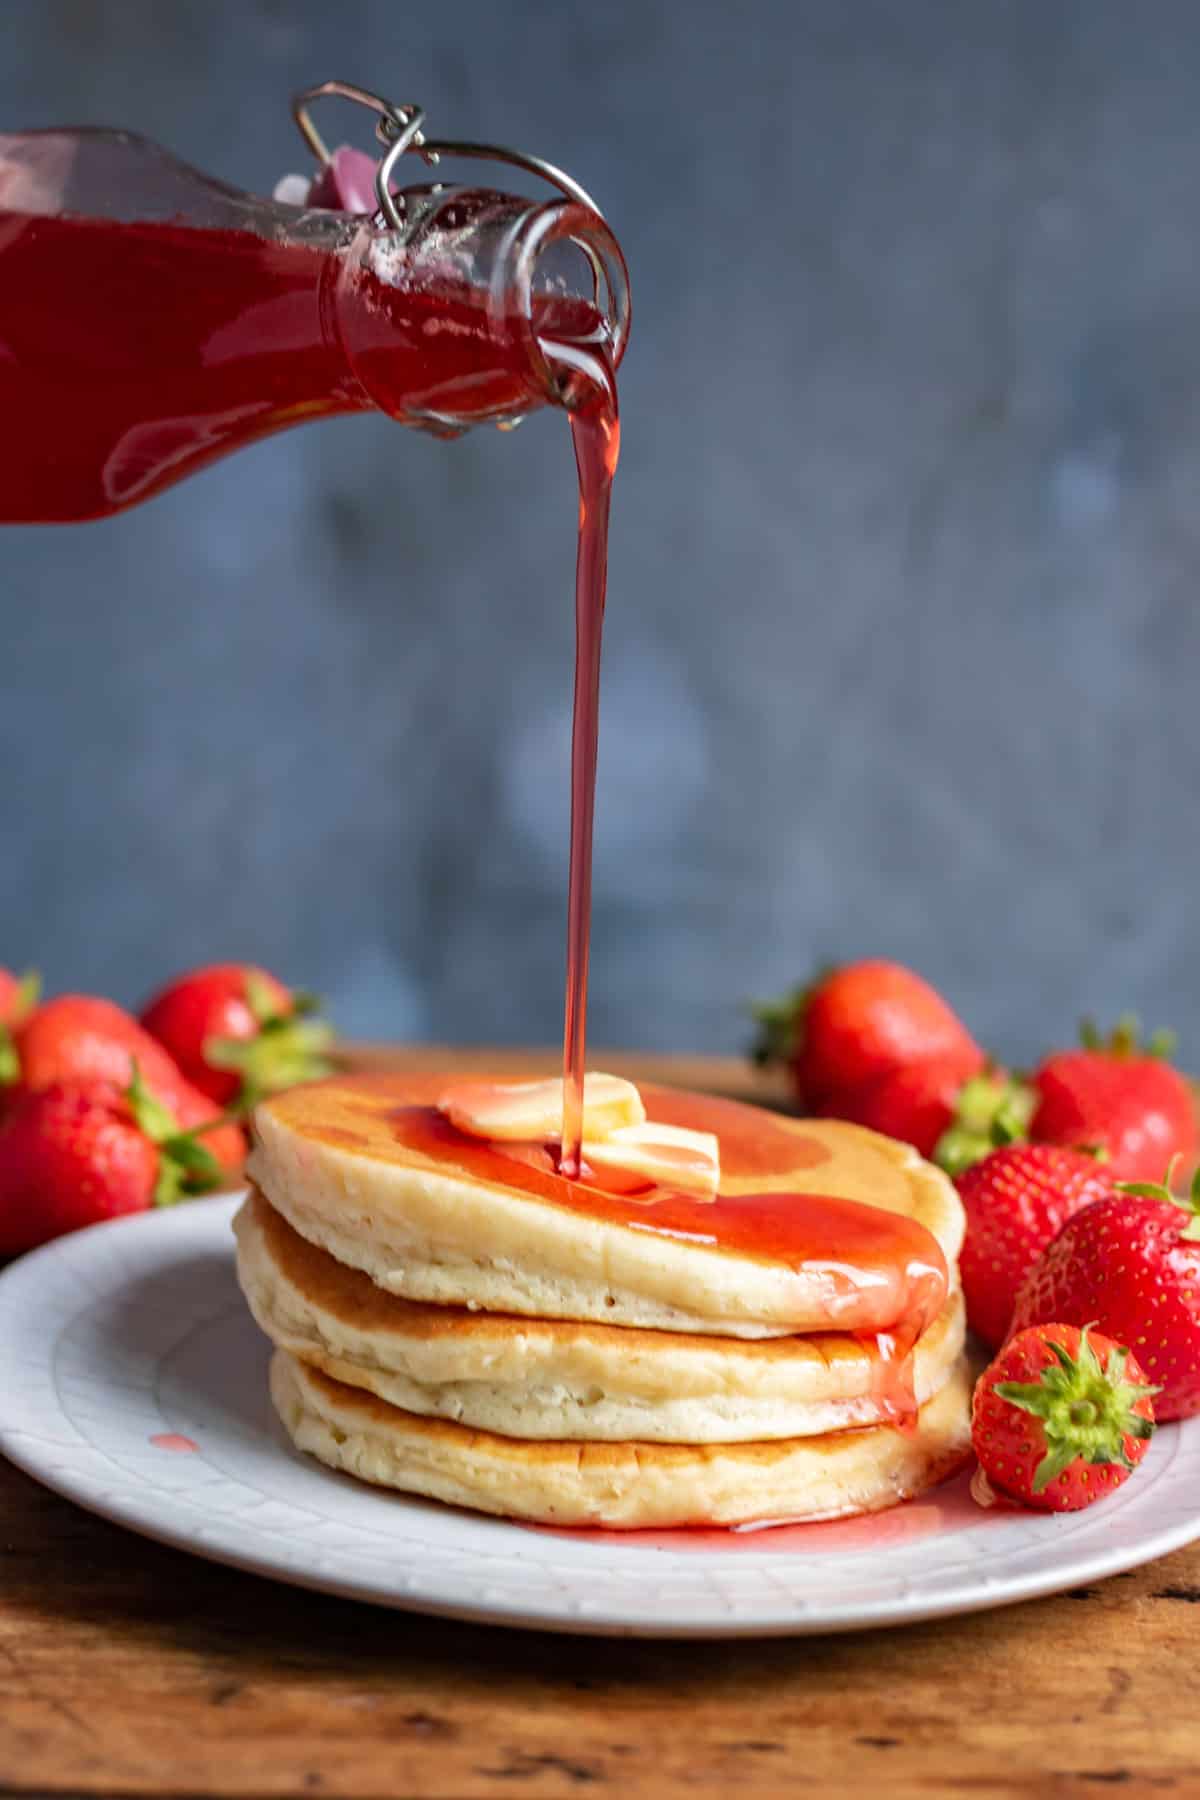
(1131, 1263)
(1112, 1093)
(1015, 1200)
(857, 1023)
(1062, 1417)
(79, 1037)
(237, 1033)
(915, 1102)
(78, 1152)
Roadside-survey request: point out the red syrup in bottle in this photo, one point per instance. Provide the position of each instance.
(134, 353)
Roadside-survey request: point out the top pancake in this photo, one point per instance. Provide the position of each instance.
(365, 1167)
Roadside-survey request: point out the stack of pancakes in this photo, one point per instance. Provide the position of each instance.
(453, 1324)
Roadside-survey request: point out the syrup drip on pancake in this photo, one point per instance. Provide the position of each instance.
(892, 1385)
(884, 1272)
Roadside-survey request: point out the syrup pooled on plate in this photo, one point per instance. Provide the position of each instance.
(951, 1508)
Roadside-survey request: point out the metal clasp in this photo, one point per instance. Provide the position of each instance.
(399, 129)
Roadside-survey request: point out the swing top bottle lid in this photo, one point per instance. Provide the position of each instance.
(400, 129)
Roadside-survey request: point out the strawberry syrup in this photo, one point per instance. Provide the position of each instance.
(881, 1271)
(133, 354)
(596, 431)
(949, 1508)
(857, 1246)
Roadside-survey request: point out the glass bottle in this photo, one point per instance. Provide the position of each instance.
(153, 319)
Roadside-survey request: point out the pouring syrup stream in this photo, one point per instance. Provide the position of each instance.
(595, 429)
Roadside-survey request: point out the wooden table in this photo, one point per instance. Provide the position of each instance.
(128, 1669)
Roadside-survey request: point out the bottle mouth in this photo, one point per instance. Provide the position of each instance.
(558, 345)
(573, 342)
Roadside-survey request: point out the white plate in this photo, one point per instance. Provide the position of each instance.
(135, 1384)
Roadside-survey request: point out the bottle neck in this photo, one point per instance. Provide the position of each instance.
(467, 317)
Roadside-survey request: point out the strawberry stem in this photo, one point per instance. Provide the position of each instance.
(29, 992)
(1163, 1191)
(1086, 1408)
(781, 1022)
(260, 998)
(991, 1111)
(288, 1048)
(185, 1166)
(149, 1113)
(779, 1026)
(1125, 1039)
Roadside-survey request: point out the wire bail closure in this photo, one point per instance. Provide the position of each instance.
(399, 129)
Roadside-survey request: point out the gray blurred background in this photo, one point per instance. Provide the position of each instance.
(903, 631)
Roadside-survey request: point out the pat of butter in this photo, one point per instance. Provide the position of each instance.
(532, 1111)
(669, 1155)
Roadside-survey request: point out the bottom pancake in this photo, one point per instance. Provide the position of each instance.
(622, 1486)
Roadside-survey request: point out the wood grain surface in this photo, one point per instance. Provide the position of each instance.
(126, 1669)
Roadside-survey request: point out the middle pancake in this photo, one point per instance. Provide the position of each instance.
(553, 1379)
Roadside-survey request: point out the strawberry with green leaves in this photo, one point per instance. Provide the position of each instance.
(916, 1103)
(79, 1152)
(1132, 1264)
(80, 1037)
(854, 1025)
(1062, 1417)
(238, 1034)
(1016, 1200)
(1116, 1094)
